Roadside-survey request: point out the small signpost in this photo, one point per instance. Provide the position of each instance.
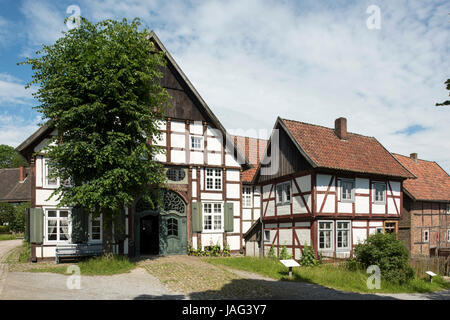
(431, 274)
(290, 263)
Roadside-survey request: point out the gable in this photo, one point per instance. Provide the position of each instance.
(290, 160)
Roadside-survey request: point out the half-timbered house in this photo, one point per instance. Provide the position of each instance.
(328, 188)
(202, 203)
(425, 222)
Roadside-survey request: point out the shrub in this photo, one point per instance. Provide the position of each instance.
(308, 259)
(284, 255)
(4, 229)
(271, 253)
(389, 254)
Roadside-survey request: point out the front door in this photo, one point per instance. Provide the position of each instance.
(173, 234)
(149, 234)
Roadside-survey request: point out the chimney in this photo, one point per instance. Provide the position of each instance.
(413, 156)
(340, 128)
(22, 173)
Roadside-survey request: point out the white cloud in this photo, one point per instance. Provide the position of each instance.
(12, 91)
(15, 129)
(255, 60)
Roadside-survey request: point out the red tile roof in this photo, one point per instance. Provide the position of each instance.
(357, 153)
(432, 182)
(254, 150)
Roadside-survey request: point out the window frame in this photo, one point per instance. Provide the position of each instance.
(341, 182)
(266, 235)
(58, 224)
(448, 235)
(332, 235)
(349, 237)
(247, 197)
(374, 192)
(426, 235)
(284, 194)
(214, 178)
(201, 142)
(45, 176)
(169, 224)
(100, 219)
(447, 211)
(213, 215)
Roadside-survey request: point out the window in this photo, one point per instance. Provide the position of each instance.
(172, 227)
(380, 230)
(448, 235)
(379, 192)
(49, 182)
(247, 197)
(213, 179)
(175, 174)
(325, 235)
(212, 216)
(266, 235)
(343, 235)
(57, 222)
(448, 209)
(426, 235)
(95, 229)
(390, 227)
(347, 189)
(196, 143)
(283, 195)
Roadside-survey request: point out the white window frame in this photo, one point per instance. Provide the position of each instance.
(331, 249)
(247, 197)
(341, 182)
(191, 142)
(100, 219)
(216, 176)
(46, 184)
(58, 219)
(426, 235)
(285, 196)
(374, 192)
(349, 237)
(213, 215)
(266, 235)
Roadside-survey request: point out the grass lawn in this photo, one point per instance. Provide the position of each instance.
(18, 260)
(336, 277)
(7, 237)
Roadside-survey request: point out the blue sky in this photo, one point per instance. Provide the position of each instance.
(252, 61)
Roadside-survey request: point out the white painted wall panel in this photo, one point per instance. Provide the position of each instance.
(378, 208)
(211, 239)
(362, 185)
(362, 204)
(304, 236)
(246, 214)
(196, 157)
(395, 188)
(298, 206)
(345, 207)
(245, 226)
(211, 196)
(161, 157)
(266, 191)
(196, 127)
(376, 223)
(233, 242)
(233, 190)
(237, 225)
(39, 171)
(233, 175)
(177, 140)
(160, 140)
(213, 144)
(194, 242)
(178, 126)
(161, 124)
(202, 184)
(214, 159)
(177, 156)
(194, 189)
(42, 195)
(359, 235)
(359, 223)
(329, 206)
(323, 180)
(304, 183)
(283, 210)
(231, 161)
(256, 214)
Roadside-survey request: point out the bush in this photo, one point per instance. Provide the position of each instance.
(4, 229)
(389, 254)
(271, 253)
(210, 251)
(308, 259)
(284, 255)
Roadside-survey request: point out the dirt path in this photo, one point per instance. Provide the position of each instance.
(5, 247)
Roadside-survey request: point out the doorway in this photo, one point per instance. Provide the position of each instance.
(149, 235)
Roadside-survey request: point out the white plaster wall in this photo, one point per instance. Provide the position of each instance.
(304, 183)
(270, 208)
(196, 127)
(359, 235)
(202, 184)
(362, 204)
(256, 214)
(266, 191)
(161, 140)
(362, 185)
(233, 190)
(233, 242)
(211, 196)
(285, 237)
(213, 144)
(39, 171)
(391, 205)
(395, 188)
(376, 223)
(298, 206)
(178, 156)
(245, 226)
(232, 175)
(359, 223)
(178, 126)
(304, 236)
(323, 180)
(231, 161)
(161, 157)
(42, 196)
(161, 124)
(177, 140)
(329, 205)
(211, 239)
(246, 214)
(378, 208)
(194, 189)
(214, 159)
(196, 157)
(345, 207)
(237, 225)
(194, 242)
(45, 252)
(283, 210)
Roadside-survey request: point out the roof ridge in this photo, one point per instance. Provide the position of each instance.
(332, 129)
(433, 161)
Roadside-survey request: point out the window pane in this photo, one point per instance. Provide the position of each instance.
(64, 214)
(208, 222)
(217, 222)
(51, 214)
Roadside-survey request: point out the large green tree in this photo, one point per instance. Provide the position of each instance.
(99, 86)
(10, 158)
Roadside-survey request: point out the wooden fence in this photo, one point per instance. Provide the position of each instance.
(440, 265)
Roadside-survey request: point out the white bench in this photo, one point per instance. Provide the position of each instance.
(77, 250)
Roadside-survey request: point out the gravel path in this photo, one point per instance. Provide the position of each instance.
(5, 247)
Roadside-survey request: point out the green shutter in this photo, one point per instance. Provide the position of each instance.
(80, 225)
(197, 217)
(229, 217)
(36, 225)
